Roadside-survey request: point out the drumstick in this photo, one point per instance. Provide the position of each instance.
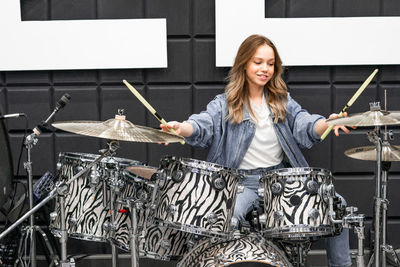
(351, 101)
(149, 107)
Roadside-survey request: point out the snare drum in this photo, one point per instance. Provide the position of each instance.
(293, 205)
(86, 211)
(196, 196)
(246, 251)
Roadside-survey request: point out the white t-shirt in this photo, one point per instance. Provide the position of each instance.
(265, 149)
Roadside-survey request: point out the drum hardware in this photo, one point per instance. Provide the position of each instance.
(217, 181)
(377, 118)
(59, 188)
(296, 251)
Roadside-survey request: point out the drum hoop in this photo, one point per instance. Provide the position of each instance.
(299, 171)
(88, 157)
(200, 164)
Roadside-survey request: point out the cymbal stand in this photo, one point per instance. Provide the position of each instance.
(53, 193)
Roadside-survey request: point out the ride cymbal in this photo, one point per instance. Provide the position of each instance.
(118, 129)
(369, 118)
(389, 153)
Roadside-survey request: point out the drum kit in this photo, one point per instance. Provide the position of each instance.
(183, 210)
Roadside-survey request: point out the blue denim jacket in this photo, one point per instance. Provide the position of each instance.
(229, 142)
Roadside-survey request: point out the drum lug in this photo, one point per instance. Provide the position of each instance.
(277, 188)
(177, 176)
(234, 224)
(171, 209)
(218, 182)
(62, 188)
(212, 218)
(313, 214)
(165, 244)
(72, 221)
(108, 226)
(262, 218)
(261, 191)
(278, 215)
(312, 186)
(219, 260)
(53, 216)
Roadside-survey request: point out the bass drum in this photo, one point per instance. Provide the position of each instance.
(248, 251)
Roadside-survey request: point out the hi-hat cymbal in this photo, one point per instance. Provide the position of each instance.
(118, 129)
(389, 153)
(369, 118)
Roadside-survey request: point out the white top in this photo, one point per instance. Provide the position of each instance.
(265, 149)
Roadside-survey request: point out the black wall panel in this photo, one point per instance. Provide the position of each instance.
(190, 82)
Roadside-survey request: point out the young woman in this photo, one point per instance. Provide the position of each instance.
(255, 126)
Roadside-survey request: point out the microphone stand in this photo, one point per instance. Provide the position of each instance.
(30, 141)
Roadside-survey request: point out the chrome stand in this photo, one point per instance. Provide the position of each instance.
(60, 187)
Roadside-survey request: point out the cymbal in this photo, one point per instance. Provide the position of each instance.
(369, 118)
(389, 153)
(118, 129)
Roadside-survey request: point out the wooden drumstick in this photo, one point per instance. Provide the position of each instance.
(351, 101)
(149, 107)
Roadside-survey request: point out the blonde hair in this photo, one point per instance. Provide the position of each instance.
(237, 92)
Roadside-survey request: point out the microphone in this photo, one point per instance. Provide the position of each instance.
(59, 105)
(12, 115)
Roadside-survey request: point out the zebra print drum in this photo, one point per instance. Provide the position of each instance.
(293, 205)
(155, 241)
(196, 196)
(159, 242)
(246, 251)
(87, 217)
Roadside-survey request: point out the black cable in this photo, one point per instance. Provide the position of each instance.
(23, 141)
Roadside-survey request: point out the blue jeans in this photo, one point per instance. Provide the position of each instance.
(337, 247)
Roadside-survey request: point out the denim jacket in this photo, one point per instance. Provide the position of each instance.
(229, 142)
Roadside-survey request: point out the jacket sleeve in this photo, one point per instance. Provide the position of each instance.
(302, 124)
(207, 124)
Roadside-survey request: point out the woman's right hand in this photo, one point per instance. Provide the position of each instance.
(172, 125)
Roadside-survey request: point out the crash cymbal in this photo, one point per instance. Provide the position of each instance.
(389, 153)
(118, 129)
(369, 118)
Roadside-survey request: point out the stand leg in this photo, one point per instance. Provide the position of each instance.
(133, 236)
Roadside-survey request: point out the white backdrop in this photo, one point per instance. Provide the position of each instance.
(79, 44)
(308, 41)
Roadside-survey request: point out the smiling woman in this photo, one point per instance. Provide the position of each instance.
(255, 126)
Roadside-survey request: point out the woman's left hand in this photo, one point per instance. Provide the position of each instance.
(337, 127)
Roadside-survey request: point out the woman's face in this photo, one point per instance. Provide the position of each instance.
(260, 68)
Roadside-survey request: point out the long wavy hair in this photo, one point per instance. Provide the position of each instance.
(237, 91)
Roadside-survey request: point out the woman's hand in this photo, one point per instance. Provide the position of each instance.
(337, 127)
(184, 129)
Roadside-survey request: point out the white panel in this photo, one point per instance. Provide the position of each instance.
(307, 41)
(80, 44)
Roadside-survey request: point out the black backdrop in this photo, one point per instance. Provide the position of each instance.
(190, 82)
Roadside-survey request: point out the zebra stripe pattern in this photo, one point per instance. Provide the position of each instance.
(293, 205)
(196, 196)
(84, 208)
(237, 252)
